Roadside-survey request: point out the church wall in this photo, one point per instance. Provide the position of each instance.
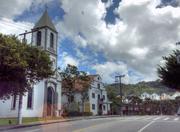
(59, 95)
(38, 102)
(37, 109)
(34, 38)
(6, 109)
(48, 41)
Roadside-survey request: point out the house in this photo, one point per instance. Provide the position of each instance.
(96, 101)
(164, 96)
(176, 94)
(45, 97)
(145, 95)
(154, 96)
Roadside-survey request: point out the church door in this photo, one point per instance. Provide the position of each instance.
(50, 101)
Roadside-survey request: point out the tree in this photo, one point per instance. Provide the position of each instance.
(74, 81)
(21, 67)
(170, 71)
(135, 101)
(112, 94)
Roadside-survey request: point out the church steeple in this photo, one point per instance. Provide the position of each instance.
(45, 35)
(45, 21)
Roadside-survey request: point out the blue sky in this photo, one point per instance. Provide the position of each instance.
(105, 37)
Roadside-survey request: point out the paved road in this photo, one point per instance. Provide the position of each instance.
(115, 124)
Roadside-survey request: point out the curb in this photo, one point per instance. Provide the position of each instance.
(51, 122)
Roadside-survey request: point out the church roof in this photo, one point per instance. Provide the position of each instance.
(45, 20)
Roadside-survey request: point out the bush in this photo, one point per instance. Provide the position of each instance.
(87, 113)
(74, 113)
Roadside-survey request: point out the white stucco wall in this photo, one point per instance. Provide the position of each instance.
(38, 101)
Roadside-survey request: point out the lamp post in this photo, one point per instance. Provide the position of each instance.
(119, 82)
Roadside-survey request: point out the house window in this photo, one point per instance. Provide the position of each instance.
(93, 106)
(14, 98)
(93, 95)
(52, 40)
(99, 96)
(104, 107)
(30, 99)
(98, 85)
(38, 38)
(104, 97)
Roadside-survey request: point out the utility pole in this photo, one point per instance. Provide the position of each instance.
(178, 56)
(119, 82)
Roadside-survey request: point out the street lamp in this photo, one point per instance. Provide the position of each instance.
(118, 81)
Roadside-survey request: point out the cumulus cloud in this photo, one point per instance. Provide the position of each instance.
(109, 70)
(141, 36)
(66, 59)
(11, 9)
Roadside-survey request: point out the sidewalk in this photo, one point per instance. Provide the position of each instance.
(3, 128)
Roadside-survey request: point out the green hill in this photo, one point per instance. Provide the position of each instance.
(139, 88)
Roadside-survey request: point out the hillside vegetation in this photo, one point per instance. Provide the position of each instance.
(139, 88)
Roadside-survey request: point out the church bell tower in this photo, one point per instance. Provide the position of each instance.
(45, 37)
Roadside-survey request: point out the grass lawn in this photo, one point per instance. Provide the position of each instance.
(26, 120)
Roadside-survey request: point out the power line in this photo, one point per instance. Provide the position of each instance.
(15, 24)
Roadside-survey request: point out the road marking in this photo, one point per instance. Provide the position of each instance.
(156, 118)
(176, 119)
(148, 118)
(35, 130)
(166, 119)
(142, 129)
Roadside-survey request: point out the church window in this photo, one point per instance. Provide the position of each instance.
(14, 98)
(39, 38)
(51, 40)
(30, 99)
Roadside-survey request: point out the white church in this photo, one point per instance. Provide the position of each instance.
(44, 100)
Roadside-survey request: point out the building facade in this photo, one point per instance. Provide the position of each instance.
(97, 100)
(44, 100)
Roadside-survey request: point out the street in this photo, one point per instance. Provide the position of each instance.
(114, 124)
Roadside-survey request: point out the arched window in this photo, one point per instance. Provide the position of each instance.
(52, 40)
(30, 99)
(14, 97)
(38, 38)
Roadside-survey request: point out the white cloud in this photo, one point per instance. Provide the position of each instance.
(109, 70)
(142, 36)
(66, 59)
(10, 9)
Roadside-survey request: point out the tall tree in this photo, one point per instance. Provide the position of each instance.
(21, 67)
(170, 71)
(74, 81)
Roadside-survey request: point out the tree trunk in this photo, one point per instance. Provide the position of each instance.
(20, 110)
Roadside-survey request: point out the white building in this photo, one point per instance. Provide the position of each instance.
(176, 94)
(154, 96)
(145, 95)
(97, 101)
(45, 97)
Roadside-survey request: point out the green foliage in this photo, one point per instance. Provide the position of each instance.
(170, 72)
(21, 66)
(73, 81)
(139, 88)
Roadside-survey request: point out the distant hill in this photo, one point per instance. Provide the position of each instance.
(141, 87)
